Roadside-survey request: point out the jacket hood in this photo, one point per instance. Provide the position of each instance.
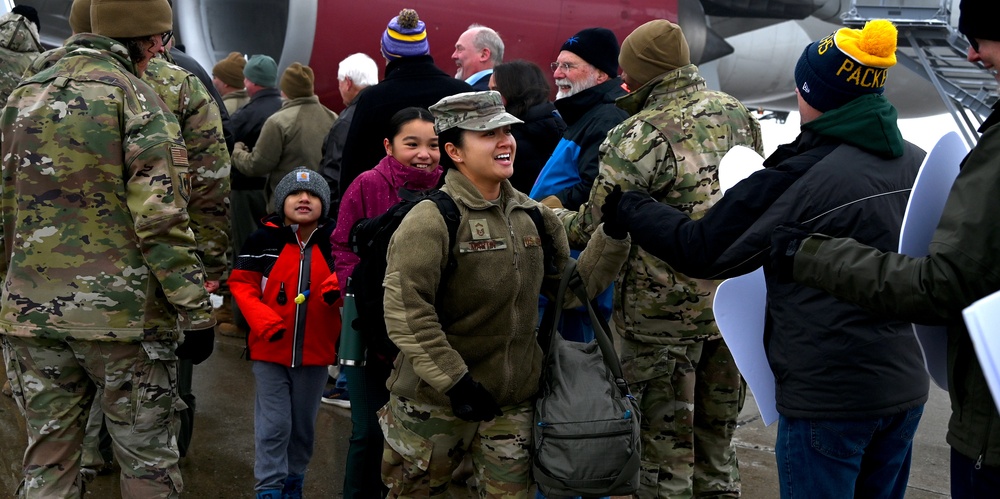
(573, 108)
(668, 83)
(408, 177)
(18, 34)
(868, 123)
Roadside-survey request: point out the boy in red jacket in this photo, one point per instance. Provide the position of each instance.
(280, 283)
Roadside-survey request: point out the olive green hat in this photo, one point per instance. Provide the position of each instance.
(130, 18)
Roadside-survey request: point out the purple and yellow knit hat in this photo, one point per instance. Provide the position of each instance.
(406, 36)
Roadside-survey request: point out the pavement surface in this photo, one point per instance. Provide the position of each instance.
(220, 461)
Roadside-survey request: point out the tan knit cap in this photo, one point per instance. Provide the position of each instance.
(130, 18)
(79, 16)
(230, 70)
(297, 81)
(652, 49)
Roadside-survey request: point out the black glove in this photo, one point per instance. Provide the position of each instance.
(785, 241)
(198, 345)
(609, 215)
(471, 402)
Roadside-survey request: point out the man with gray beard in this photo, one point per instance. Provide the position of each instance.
(586, 76)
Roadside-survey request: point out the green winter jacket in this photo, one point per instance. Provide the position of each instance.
(963, 266)
(489, 309)
(94, 206)
(670, 148)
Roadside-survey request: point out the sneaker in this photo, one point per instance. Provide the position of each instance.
(337, 397)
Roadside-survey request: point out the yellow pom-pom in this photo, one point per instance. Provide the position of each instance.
(299, 300)
(878, 38)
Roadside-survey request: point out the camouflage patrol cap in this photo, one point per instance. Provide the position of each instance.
(471, 111)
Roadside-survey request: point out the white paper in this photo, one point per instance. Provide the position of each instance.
(923, 212)
(983, 320)
(737, 165)
(739, 306)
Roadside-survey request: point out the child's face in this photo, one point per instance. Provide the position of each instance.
(303, 208)
(416, 145)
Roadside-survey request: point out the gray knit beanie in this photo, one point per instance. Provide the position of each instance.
(301, 179)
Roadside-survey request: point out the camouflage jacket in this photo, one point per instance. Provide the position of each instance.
(201, 127)
(18, 47)
(93, 205)
(670, 147)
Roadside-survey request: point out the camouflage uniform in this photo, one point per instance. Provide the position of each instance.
(672, 352)
(424, 442)
(101, 276)
(18, 47)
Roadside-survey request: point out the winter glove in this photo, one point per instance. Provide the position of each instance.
(471, 402)
(785, 241)
(609, 215)
(198, 345)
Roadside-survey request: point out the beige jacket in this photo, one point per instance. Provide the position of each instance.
(291, 137)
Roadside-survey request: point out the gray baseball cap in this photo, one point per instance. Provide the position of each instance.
(471, 111)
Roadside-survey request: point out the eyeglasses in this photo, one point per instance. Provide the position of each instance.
(565, 66)
(166, 36)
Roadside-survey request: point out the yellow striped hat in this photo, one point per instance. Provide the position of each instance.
(406, 36)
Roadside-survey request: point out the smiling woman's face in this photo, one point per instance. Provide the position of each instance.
(486, 158)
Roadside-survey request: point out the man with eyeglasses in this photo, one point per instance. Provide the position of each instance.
(586, 75)
(103, 276)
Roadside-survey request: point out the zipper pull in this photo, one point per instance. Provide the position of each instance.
(979, 463)
(282, 297)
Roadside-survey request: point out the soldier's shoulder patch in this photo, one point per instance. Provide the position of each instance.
(178, 156)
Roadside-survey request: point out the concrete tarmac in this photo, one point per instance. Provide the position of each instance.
(220, 461)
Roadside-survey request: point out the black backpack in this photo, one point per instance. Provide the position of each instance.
(369, 239)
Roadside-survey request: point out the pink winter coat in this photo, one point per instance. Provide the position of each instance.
(370, 195)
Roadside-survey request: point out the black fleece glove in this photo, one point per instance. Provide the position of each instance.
(471, 402)
(609, 215)
(198, 345)
(785, 242)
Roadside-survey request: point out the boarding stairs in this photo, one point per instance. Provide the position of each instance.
(929, 46)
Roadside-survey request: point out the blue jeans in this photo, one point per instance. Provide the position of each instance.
(837, 458)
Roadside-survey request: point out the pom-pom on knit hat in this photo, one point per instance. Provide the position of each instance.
(301, 179)
(406, 36)
(230, 70)
(297, 81)
(846, 65)
(130, 18)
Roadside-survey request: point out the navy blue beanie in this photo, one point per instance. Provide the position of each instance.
(597, 46)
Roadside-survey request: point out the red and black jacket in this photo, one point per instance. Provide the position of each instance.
(271, 271)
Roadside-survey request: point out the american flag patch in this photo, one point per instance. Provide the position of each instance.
(179, 157)
(302, 177)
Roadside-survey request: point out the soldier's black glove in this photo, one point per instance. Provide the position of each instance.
(198, 345)
(471, 402)
(609, 215)
(785, 241)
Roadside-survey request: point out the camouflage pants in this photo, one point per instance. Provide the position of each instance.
(424, 443)
(690, 397)
(54, 384)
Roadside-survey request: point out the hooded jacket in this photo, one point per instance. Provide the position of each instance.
(19, 46)
(961, 267)
(849, 173)
(570, 172)
(370, 195)
(291, 137)
(266, 279)
(485, 324)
